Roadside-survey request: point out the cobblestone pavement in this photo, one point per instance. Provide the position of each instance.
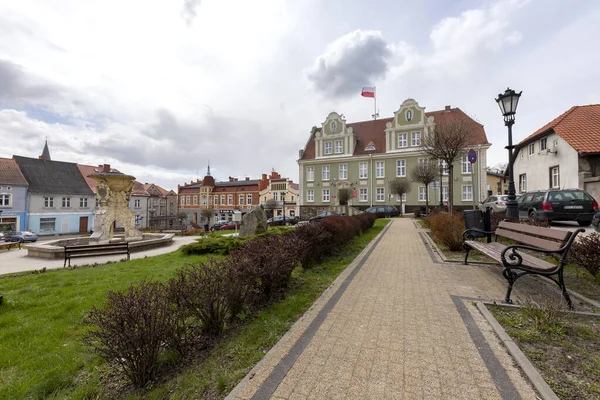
(394, 333)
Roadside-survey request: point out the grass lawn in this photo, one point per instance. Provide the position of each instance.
(41, 354)
(566, 349)
(41, 321)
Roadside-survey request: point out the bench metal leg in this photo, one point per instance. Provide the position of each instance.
(564, 289)
(467, 250)
(511, 277)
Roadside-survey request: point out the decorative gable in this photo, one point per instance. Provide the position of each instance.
(408, 127)
(334, 139)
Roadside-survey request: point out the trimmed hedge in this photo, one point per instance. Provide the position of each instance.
(142, 323)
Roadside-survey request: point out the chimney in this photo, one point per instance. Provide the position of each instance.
(235, 179)
(447, 108)
(106, 168)
(41, 157)
(264, 177)
(231, 179)
(247, 178)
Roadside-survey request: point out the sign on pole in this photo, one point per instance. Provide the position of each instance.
(472, 156)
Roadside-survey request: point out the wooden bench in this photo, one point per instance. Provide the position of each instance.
(89, 250)
(517, 262)
(8, 245)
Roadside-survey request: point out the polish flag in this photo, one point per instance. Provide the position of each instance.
(368, 92)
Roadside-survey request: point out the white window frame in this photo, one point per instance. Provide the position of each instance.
(48, 202)
(182, 202)
(343, 172)
(223, 200)
(328, 148)
(522, 183)
(5, 199)
(379, 169)
(445, 193)
(469, 193)
(466, 165)
(66, 202)
(555, 177)
(339, 147)
(543, 144)
(422, 193)
(83, 202)
(241, 199)
(47, 221)
(275, 196)
(249, 199)
(229, 199)
(403, 197)
(403, 140)
(531, 149)
(187, 201)
(216, 200)
(137, 203)
(363, 170)
(325, 195)
(363, 195)
(380, 194)
(195, 199)
(310, 195)
(400, 168)
(415, 139)
(325, 172)
(445, 169)
(310, 174)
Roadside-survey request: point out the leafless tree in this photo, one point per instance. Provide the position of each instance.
(449, 142)
(181, 216)
(269, 206)
(425, 173)
(399, 186)
(344, 195)
(207, 214)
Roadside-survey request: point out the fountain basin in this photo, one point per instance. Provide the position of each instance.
(54, 249)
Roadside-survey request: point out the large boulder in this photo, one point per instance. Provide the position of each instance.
(254, 222)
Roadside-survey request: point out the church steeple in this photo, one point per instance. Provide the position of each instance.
(208, 169)
(46, 153)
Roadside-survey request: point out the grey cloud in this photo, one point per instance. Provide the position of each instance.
(189, 11)
(18, 88)
(350, 62)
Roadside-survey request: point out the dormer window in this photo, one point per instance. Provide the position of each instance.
(409, 115)
(338, 146)
(370, 146)
(328, 148)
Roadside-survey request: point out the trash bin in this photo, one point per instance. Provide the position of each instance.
(474, 220)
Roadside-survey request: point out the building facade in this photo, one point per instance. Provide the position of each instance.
(59, 199)
(279, 195)
(13, 196)
(565, 153)
(366, 156)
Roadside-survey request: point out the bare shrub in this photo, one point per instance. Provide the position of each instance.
(448, 229)
(585, 252)
(549, 316)
(133, 329)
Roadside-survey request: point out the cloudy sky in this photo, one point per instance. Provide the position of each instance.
(158, 88)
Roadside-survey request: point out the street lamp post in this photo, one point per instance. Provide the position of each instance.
(508, 106)
(441, 187)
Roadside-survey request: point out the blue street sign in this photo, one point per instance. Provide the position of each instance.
(472, 156)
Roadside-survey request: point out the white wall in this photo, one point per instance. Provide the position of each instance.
(537, 166)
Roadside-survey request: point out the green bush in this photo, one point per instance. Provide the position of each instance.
(221, 245)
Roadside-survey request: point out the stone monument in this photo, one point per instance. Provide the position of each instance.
(254, 222)
(113, 190)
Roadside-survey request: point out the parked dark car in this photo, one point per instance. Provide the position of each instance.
(18, 236)
(325, 214)
(383, 211)
(596, 221)
(217, 225)
(279, 221)
(230, 225)
(558, 205)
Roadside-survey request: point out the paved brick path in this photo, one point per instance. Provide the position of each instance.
(396, 332)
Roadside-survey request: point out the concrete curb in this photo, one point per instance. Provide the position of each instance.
(526, 366)
(321, 302)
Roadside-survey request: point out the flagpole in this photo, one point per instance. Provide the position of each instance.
(375, 102)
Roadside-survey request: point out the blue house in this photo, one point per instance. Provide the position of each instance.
(59, 199)
(13, 197)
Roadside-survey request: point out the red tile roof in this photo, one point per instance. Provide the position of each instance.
(579, 126)
(10, 174)
(88, 170)
(373, 132)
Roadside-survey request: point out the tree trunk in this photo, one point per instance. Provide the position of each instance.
(400, 205)
(450, 187)
(427, 199)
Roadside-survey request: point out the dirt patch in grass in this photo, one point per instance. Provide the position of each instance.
(581, 281)
(564, 348)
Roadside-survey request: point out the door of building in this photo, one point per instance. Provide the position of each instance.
(83, 224)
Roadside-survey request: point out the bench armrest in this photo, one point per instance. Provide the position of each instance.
(466, 234)
(514, 259)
